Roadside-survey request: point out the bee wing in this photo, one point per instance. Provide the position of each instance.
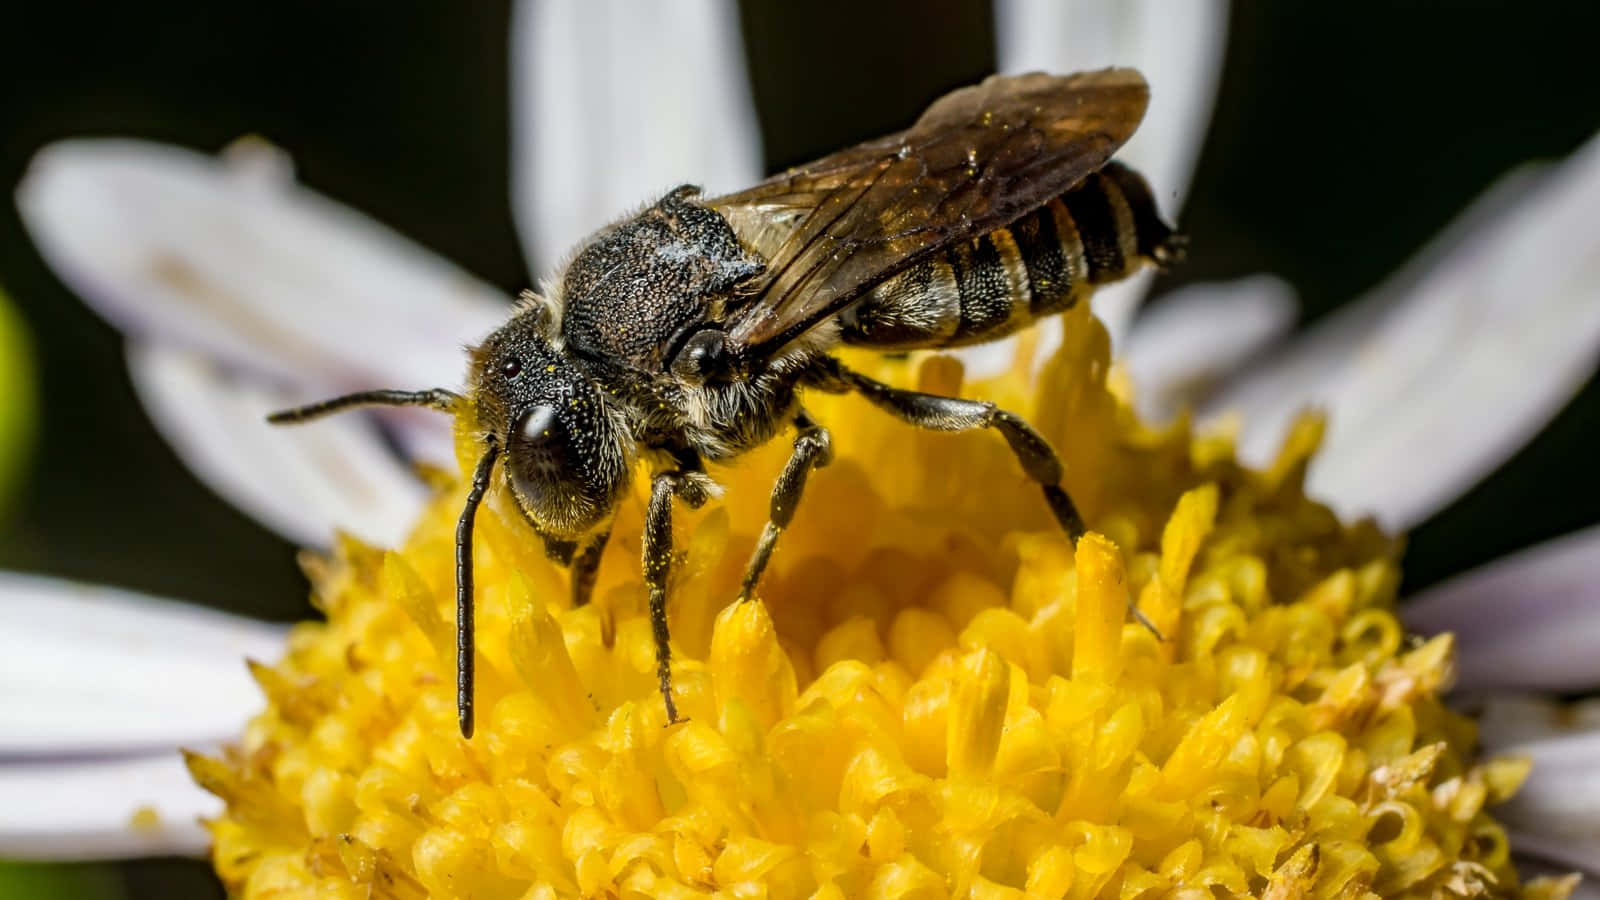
(978, 159)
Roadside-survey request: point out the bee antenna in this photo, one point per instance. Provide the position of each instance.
(465, 657)
(435, 398)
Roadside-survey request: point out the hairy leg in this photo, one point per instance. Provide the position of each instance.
(939, 413)
(813, 449)
(657, 566)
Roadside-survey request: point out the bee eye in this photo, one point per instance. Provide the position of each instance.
(511, 368)
(538, 425)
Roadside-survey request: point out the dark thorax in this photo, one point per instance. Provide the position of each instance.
(642, 309)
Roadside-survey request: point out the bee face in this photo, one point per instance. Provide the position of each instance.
(565, 451)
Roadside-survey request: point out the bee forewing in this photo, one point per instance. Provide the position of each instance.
(1178, 46)
(976, 160)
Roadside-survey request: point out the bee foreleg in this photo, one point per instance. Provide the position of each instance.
(813, 449)
(657, 566)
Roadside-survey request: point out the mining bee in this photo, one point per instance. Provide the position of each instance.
(689, 332)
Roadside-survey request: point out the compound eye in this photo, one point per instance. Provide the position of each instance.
(512, 367)
(538, 425)
(702, 355)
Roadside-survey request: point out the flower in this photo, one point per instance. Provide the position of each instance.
(936, 692)
(206, 378)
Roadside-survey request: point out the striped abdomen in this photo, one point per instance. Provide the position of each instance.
(1044, 263)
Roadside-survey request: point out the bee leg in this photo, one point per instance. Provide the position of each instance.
(585, 566)
(813, 449)
(657, 566)
(939, 413)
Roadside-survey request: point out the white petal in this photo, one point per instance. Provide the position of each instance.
(1531, 620)
(1556, 813)
(303, 481)
(1555, 817)
(1181, 349)
(89, 670)
(1304, 372)
(1445, 372)
(617, 102)
(102, 809)
(1179, 48)
(234, 258)
(1530, 866)
(1507, 720)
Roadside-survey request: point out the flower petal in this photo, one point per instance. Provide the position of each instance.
(88, 670)
(228, 255)
(1555, 815)
(616, 102)
(1530, 867)
(1179, 48)
(1531, 620)
(1509, 720)
(102, 809)
(1465, 354)
(1541, 854)
(1181, 349)
(303, 481)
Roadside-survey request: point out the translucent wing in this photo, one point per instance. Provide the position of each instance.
(978, 159)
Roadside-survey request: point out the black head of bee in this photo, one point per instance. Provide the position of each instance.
(564, 447)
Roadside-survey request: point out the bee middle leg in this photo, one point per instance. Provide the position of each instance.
(689, 484)
(813, 449)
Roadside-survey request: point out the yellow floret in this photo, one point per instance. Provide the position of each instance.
(935, 695)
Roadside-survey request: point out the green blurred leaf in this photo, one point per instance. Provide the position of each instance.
(18, 399)
(35, 881)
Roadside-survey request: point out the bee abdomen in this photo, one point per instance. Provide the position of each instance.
(1044, 263)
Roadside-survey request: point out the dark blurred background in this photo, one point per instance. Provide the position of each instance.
(1345, 135)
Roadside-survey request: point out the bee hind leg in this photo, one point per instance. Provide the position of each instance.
(813, 449)
(939, 413)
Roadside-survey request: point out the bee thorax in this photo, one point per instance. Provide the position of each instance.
(645, 283)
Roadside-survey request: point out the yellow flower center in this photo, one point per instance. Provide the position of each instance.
(936, 694)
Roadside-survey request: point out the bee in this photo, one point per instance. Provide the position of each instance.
(690, 332)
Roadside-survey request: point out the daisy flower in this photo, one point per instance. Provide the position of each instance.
(937, 693)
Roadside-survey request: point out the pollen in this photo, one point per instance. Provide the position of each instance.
(935, 692)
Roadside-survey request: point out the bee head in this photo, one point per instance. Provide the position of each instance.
(564, 446)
